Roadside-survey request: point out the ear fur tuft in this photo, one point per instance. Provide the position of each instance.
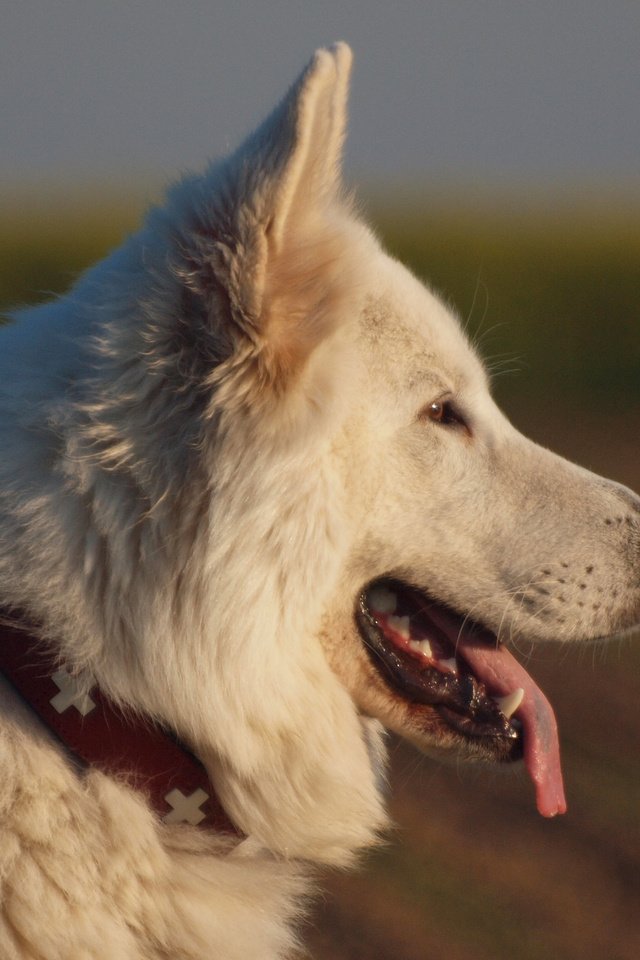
(267, 257)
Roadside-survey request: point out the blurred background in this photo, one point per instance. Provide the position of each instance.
(496, 148)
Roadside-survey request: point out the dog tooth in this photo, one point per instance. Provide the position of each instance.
(421, 646)
(383, 600)
(450, 665)
(510, 703)
(401, 626)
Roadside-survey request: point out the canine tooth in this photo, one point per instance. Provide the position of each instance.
(400, 625)
(383, 600)
(510, 703)
(421, 646)
(451, 664)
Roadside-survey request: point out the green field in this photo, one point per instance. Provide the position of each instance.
(473, 873)
(552, 300)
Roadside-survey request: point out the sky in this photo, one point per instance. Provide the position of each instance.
(493, 92)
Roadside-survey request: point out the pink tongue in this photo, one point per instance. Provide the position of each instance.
(501, 673)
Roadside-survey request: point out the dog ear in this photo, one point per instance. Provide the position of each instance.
(266, 248)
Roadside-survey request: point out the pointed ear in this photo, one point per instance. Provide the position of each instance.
(307, 131)
(267, 246)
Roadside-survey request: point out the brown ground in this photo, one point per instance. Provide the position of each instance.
(473, 872)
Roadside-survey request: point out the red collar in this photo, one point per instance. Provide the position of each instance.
(99, 734)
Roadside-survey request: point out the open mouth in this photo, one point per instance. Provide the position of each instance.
(448, 665)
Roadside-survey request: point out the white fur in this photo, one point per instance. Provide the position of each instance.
(210, 445)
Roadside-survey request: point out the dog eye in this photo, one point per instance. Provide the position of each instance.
(444, 412)
(438, 412)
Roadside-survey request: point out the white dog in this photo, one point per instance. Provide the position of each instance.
(254, 491)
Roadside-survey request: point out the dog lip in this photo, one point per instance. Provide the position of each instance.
(459, 698)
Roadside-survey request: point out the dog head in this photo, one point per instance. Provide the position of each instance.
(323, 522)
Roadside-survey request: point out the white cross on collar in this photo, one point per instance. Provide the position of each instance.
(185, 809)
(74, 692)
